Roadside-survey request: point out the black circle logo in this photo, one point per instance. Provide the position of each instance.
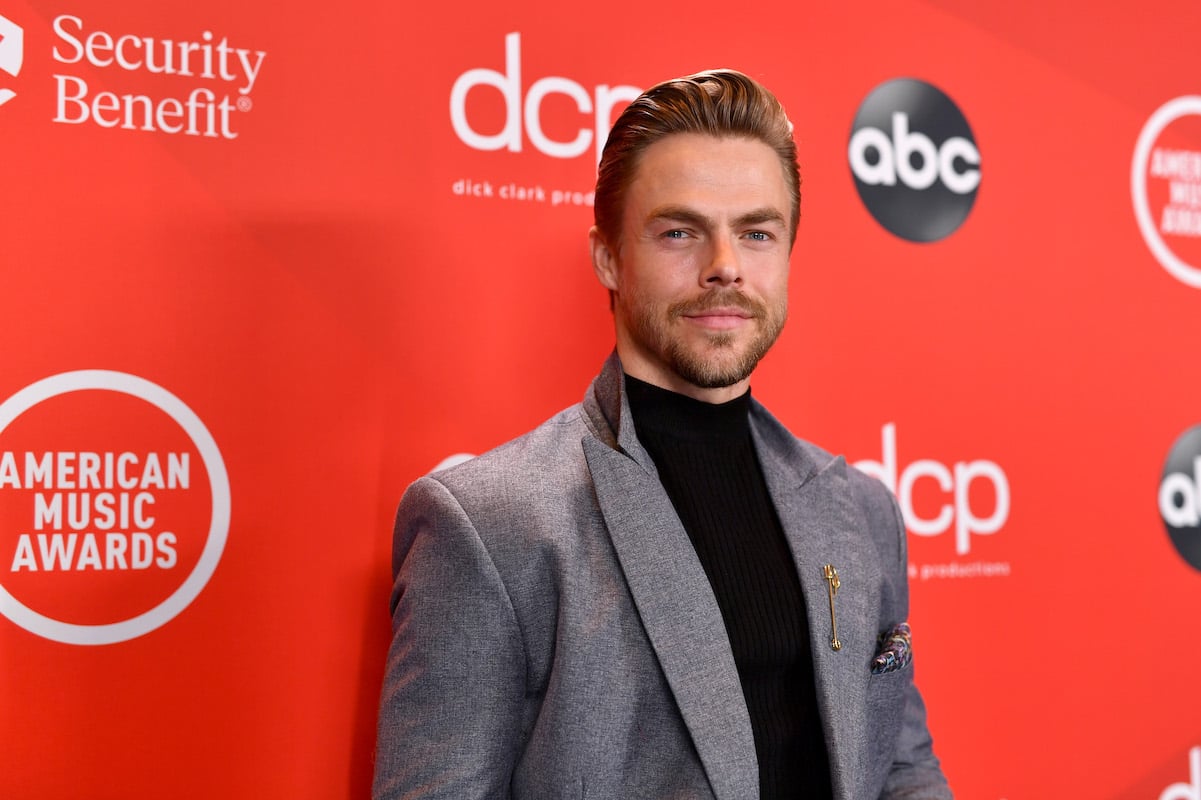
(1180, 496)
(914, 160)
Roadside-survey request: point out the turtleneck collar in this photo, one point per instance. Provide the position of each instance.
(669, 413)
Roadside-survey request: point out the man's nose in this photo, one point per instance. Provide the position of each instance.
(723, 268)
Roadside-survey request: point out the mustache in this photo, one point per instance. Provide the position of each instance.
(719, 298)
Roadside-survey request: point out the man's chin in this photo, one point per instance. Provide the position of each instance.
(713, 369)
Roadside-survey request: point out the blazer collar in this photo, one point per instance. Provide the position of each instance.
(679, 611)
(607, 413)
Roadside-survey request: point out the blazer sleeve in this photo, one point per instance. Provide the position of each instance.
(915, 773)
(450, 711)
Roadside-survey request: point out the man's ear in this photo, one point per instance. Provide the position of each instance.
(604, 259)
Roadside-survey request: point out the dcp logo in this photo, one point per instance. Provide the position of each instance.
(1180, 496)
(12, 52)
(597, 105)
(914, 160)
(954, 484)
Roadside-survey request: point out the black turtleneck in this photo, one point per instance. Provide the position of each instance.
(707, 463)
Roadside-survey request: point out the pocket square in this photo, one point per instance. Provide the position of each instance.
(896, 650)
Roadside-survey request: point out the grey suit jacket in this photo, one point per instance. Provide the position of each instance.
(555, 635)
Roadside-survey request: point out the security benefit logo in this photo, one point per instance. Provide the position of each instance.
(114, 507)
(12, 54)
(194, 84)
(1180, 496)
(1165, 185)
(226, 75)
(914, 160)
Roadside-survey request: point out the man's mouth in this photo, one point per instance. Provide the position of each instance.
(720, 318)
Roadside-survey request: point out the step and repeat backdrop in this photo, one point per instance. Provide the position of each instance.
(264, 265)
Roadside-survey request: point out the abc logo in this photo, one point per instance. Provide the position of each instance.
(915, 160)
(1180, 496)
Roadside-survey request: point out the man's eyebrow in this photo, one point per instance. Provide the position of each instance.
(693, 217)
(760, 216)
(679, 214)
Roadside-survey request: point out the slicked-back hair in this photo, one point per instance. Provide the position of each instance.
(722, 103)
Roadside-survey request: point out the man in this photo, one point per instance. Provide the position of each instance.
(660, 592)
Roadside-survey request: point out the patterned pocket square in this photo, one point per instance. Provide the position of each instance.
(896, 650)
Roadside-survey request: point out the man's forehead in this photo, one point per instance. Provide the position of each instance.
(720, 169)
(698, 142)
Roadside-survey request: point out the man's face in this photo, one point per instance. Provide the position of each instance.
(700, 272)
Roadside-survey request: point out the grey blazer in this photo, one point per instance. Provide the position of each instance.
(554, 634)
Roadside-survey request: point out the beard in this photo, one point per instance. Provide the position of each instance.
(719, 360)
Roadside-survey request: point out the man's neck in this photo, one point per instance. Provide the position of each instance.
(666, 413)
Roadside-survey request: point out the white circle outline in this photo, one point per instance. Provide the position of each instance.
(1164, 116)
(172, 406)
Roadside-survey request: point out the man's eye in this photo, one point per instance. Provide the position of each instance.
(676, 234)
(759, 236)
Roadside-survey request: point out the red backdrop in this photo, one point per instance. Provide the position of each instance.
(304, 263)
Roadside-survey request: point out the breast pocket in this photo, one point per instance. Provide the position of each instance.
(886, 697)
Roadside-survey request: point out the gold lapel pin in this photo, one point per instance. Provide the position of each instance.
(831, 575)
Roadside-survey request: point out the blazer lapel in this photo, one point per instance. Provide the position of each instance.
(672, 593)
(681, 618)
(823, 526)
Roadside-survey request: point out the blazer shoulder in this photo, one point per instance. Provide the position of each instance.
(544, 450)
(871, 494)
(532, 488)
